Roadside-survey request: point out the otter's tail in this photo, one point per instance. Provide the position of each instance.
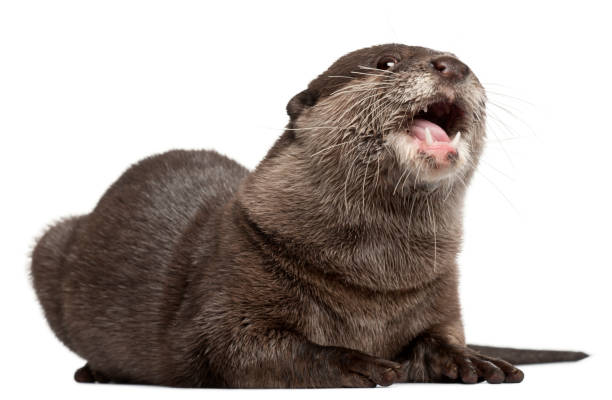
(522, 356)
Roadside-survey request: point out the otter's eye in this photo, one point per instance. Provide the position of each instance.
(387, 62)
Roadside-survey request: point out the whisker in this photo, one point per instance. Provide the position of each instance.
(386, 71)
(499, 191)
(485, 84)
(503, 147)
(399, 180)
(416, 179)
(363, 83)
(495, 169)
(309, 128)
(365, 174)
(494, 93)
(494, 119)
(351, 90)
(377, 169)
(334, 145)
(405, 181)
(348, 175)
(509, 112)
(388, 79)
(449, 191)
(413, 200)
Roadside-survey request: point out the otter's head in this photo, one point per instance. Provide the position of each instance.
(405, 114)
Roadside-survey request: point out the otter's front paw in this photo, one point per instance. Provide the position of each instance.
(434, 360)
(362, 370)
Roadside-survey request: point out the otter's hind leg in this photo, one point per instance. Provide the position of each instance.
(48, 271)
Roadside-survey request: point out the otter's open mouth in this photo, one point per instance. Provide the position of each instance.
(434, 130)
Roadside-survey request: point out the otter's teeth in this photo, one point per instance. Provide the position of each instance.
(456, 139)
(428, 138)
(424, 109)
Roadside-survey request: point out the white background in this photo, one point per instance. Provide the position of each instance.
(87, 88)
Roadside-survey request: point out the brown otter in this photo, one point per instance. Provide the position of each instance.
(332, 264)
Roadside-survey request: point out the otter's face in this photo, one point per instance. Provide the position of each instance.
(418, 114)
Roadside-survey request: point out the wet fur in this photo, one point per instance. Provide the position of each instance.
(318, 269)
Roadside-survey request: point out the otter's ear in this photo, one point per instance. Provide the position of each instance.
(301, 101)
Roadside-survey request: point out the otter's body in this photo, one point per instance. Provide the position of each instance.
(327, 266)
(168, 268)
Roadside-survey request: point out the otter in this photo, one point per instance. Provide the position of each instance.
(332, 264)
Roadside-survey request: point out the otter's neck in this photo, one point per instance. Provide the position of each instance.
(377, 237)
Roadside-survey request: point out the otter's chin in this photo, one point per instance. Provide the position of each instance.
(428, 154)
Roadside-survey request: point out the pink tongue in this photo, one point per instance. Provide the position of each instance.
(418, 130)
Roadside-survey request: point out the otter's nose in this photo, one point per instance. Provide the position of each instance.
(450, 68)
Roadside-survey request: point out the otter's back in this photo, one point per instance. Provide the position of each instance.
(121, 269)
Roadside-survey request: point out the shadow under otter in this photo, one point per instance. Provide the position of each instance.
(332, 264)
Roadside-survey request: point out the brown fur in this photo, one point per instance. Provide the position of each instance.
(324, 267)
